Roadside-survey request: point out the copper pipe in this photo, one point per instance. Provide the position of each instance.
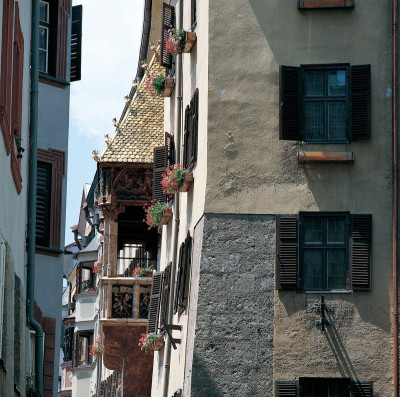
(394, 203)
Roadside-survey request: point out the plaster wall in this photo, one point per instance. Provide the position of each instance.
(195, 75)
(85, 308)
(252, 172)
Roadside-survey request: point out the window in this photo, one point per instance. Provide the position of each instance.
(325, 103)
(85, 277)
(168, 20)
(191, 132)
(82, 342)
(324, 252)
(44, 25)
(315, 4)
(183, 276)
(50, 176)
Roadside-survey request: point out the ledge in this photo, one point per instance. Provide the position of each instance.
(41, 250)
(325, 157)
(50, 80)
(321, 4)
(123, 322)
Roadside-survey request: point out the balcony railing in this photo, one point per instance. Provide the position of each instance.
(125, 299)
(126, 266)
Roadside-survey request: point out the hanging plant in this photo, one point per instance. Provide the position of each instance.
(156, 84)
(151, 342)
(175, 42)
(153, 212)
(173, 178)
(96, 350)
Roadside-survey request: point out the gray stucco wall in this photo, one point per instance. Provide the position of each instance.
(233, 343)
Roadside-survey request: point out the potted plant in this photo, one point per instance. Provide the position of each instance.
(156, 213)
(151, 342)
(176, 178)
(31, 390)
(160, 85)
(87, 286)
(96, 350)
(98, 266)
(139, 271)
(179, 41)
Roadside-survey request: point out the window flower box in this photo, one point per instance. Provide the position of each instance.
(187, 182)
(169, 87)
(151, 342)
(166, 216)
(190, 39)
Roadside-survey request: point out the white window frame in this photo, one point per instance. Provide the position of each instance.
(45, 25)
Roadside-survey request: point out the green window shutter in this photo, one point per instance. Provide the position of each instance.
(165, 294)
(185, 278)
(186, 138)
(43, 202)
(290, 104)
(286, 388)
(76, 43)
(154, 306)
(361, 102)
(194, 113)
(361, 389)
(287, 261)
(360, 251)
(159, 166)
(193, 10)
(168, 19)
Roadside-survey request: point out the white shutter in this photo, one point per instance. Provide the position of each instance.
(2, 281)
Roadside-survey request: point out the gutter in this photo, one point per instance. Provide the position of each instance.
(395, 202)
(39, 342)
(175, 226)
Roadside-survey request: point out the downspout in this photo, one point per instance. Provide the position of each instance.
(395, 204)
(175, 226)
(32, 198)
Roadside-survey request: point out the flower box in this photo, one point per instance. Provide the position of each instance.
(187, 182)
(169, 87)
(166, 216)
(158, 344)
(190, 39)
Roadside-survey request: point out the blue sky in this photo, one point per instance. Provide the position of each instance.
(110, 49)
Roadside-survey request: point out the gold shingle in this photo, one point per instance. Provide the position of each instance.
(142, 129)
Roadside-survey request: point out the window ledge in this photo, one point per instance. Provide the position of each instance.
(321, 4)
(325, 157)
(50, 80)
(41, 250)
(326, 292)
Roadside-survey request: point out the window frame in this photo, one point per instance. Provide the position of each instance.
(89, 335)
(326, 99)
(323, 246)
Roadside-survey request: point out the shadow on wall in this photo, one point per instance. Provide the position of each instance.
(202, 381)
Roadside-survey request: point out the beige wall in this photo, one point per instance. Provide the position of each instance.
(251, 171)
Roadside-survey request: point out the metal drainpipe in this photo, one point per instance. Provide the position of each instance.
(395, 203)
(32, 198)
(175, 226)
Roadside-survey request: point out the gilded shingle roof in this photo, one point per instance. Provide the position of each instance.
(142, 128)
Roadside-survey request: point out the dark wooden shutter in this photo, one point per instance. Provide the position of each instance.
(184, 287)
(361, 102)
(286, 388)
(169, 149)
(168, 16)
(194, 113)
(76, 43)
(43, 203)
(361, 389)
(193, 13)
(287, 252)
(152, 325)
(78, 281)
(360, 252)
(68, 344)
(186, 138)
(290, 104)
(178, 278)
(165, 294)
(159, 166)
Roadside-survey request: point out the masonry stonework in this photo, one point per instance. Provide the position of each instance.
(233, 344)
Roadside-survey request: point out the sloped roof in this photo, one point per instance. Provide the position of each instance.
(142, 128)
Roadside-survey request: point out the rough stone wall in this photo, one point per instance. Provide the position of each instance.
(233, 344)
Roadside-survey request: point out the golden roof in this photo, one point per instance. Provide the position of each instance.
(142, 128)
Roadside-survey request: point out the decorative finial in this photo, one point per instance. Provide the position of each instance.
(127, 99)
(114, 121)
(144, 64)
(153, 45)
(95, 155)
(134, 83)
(107, 139)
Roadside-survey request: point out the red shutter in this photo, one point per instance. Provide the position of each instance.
(361, 102)
(159, 166)
(168, 16)
(360, 252)
(152, 325)
(287, 252)
(290, 105)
